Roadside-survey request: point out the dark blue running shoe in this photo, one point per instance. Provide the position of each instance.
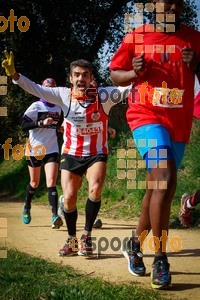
(134, 257)
(160, 275)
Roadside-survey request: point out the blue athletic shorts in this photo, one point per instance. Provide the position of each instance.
(155, 145)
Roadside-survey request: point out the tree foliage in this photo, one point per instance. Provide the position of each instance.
(62, 31)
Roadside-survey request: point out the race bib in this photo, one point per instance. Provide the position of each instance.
(89, 129)
(169, 98)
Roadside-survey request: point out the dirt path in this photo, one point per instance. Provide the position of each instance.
(39, 239)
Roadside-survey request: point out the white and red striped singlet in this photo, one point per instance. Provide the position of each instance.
(85, 124)
(85, 129)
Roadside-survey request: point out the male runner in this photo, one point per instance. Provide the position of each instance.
(85, 147)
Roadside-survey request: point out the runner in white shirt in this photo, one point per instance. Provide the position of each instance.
(85, 147)
(42, 119)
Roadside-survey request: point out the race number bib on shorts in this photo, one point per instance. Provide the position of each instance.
(89, 129)
(169, 98)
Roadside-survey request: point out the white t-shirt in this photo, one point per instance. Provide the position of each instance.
(42, 139)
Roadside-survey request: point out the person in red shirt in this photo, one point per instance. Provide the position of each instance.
(161, 59)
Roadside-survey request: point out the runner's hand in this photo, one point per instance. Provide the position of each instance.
(189, 57)
(48, 121)
(8, 63)
(112, 132)
(139, 63)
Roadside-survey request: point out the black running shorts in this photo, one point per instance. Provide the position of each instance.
(34, 162)
(80, 164)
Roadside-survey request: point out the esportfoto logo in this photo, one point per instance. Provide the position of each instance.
(3, 92)
(128, 164)
(18, 151)
(22, 23)
(153, 243)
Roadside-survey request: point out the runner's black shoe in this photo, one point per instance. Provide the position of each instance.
(160, 275)
(134, 257)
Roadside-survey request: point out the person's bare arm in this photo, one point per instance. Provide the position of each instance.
(124, 78)
(192, 60)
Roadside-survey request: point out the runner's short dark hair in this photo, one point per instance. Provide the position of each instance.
(82, 63)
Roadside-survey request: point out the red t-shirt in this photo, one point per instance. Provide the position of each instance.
(151, 102)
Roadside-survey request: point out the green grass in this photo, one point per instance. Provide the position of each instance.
(24, 277)
(117, 200)
(14, 178)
